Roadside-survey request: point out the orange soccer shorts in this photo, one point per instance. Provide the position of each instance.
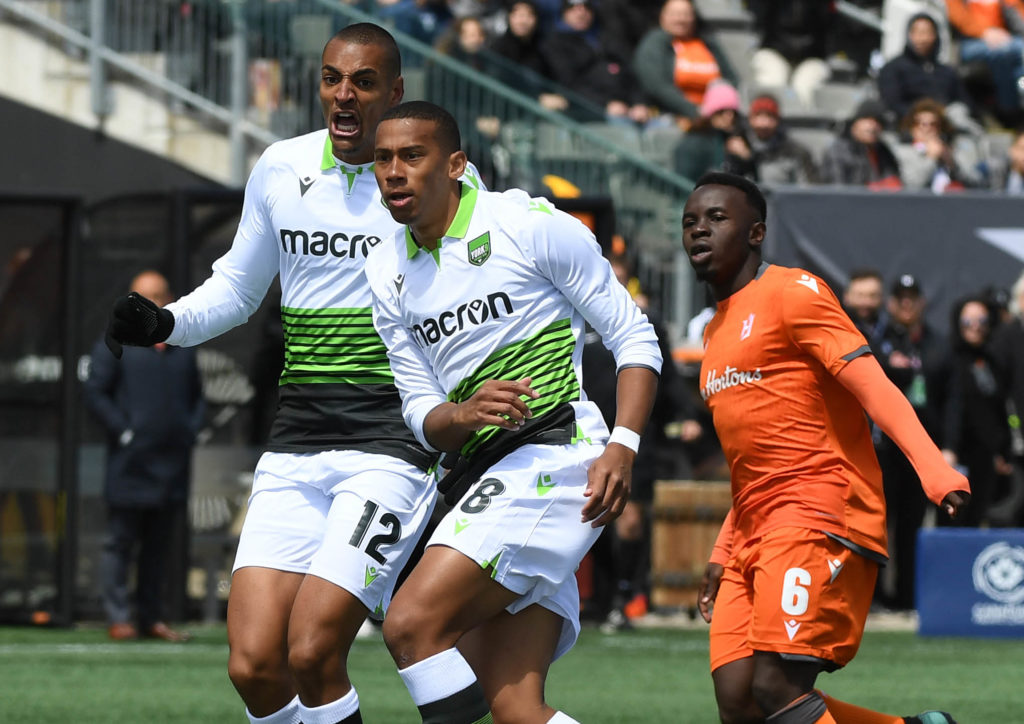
(792, 591)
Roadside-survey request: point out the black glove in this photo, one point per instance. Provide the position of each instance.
(136, 321)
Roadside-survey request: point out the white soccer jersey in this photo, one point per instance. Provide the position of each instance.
(311, 219)
(504, 296)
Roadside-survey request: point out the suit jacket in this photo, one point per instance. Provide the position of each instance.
(158, 397)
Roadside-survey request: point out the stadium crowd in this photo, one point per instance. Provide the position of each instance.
(926, 121)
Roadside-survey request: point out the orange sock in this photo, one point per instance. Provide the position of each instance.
(843, 713)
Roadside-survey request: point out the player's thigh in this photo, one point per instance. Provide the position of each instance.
(811, 596)
(376, 518)
(511, 655)
(521, 524)
(445, 595)
(259, 606)
(730, 619)
(286, 515)
(324, 622)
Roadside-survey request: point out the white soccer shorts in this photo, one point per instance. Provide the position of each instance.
(521, 521)
(349, 517)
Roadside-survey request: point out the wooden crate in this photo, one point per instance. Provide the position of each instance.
(686, 517)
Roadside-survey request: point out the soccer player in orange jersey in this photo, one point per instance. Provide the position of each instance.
(788, 378)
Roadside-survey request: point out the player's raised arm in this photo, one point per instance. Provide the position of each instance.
(891, 411)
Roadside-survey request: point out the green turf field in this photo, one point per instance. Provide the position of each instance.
(53, 675)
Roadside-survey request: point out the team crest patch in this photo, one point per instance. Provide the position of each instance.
(480, 249)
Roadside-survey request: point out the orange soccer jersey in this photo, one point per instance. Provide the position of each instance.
(797, 442)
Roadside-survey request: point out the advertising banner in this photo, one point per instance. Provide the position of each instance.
(970, 582)
(956, 244)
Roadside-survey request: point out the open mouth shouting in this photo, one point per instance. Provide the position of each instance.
(344, 124)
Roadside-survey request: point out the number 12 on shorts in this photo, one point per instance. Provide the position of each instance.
(388, 520)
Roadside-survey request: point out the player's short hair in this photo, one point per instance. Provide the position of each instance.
(370, 34)
(446, 129)
(866, 273)
(754, 196)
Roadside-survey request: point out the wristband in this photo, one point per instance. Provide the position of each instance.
(625, 436)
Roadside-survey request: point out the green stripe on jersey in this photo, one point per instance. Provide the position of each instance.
(333, 345)
(546, 357)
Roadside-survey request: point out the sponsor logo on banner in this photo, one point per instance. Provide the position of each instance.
(998, 573)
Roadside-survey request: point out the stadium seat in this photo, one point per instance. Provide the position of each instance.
(658, 144)
(815, 139)
(625, 137)
(839, 100)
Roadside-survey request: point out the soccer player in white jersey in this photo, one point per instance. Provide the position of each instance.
(481, 301)
(342, 495)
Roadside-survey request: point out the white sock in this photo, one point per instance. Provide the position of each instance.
(336, 711)
(560, 718)
(288, 714)
(437, 677)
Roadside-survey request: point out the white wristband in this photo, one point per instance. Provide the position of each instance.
(625, 436)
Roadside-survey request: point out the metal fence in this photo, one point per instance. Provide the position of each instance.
(251, 68)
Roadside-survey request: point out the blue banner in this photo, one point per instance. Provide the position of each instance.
(970, 582)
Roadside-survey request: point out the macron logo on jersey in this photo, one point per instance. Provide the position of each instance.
(321, 243)
(450, 322)
(731, 377)
(809, 282)
(304, 184)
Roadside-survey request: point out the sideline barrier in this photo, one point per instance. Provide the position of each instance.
(970, 582)
(687, 515)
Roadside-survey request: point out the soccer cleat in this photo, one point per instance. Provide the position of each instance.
(930, 717)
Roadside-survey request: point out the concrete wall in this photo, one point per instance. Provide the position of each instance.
(63, 137)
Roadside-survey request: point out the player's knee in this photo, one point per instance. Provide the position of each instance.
(406, 631)
(251, 670)
(738, 707)
(307, 658)
(769, 696)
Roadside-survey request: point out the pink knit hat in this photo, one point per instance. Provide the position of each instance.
(719, 96)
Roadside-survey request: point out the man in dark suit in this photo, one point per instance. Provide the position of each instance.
(151, 404)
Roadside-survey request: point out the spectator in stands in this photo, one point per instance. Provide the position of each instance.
(465, 43)
(1008, 350)
(977, 431)
(779, 159)
(492, 14)
(992, 31)
(862, 300)
(424, 20)
(916, 358)
(579, 60)
(676, 62)
(624, 23)
(896, 14)
(716, 142)
(791, 50)
(859, 156)
(520, 44)
(1010, 176)
(918, 73)
(932, 156)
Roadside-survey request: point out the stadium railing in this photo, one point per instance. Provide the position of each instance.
(250, 69)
